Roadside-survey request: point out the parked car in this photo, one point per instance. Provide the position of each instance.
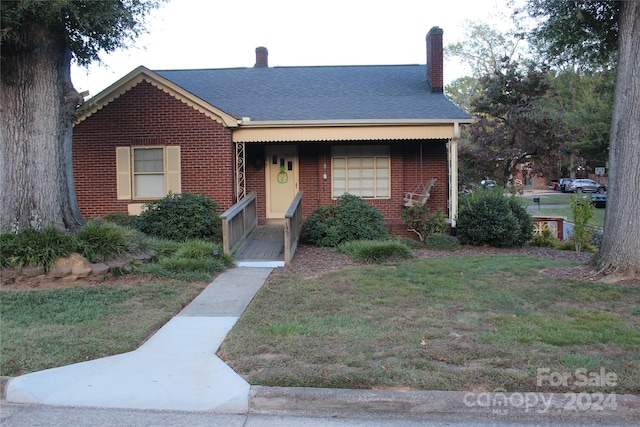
(598, 200)
(562, 184)
(488, 183)
(585, 186)
(553, 185)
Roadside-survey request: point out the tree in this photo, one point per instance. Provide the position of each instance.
(584, 101)
(39, 41)
(484, 48)
(594, 31)
(511, 128)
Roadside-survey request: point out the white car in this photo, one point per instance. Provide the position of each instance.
(585, 186)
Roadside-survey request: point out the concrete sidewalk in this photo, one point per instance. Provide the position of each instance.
(176, 369)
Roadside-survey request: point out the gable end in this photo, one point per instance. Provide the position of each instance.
(140, 75)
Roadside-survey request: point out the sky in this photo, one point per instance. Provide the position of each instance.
(189, 34)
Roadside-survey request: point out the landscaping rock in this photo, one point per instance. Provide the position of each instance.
(80, 267)
(61, 268)
(67, 280)
(32, 271)
(115, 264)
(142, 257)
(8, 275)
(99, 269)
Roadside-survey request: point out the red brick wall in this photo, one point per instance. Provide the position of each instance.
(412, 162)
(146, 115)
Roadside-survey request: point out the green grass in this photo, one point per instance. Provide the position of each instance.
(451, 323)
(556, 198)
(42, 329)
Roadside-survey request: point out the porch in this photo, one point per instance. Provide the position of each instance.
(269, 245)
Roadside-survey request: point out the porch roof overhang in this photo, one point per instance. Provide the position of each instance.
(346, 130)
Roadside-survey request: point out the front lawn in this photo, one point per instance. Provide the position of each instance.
(480, 323)
(43, 329)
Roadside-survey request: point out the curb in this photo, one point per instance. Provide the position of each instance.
(532, 405)
(4, 383)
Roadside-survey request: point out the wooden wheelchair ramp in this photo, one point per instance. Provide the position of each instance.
(263, 248)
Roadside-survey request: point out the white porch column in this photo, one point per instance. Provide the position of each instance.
(453, 174)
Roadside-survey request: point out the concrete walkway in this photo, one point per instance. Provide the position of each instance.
(176, 369)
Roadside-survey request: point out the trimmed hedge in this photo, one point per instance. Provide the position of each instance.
(181, 217)
(351, 219)
(490, 218)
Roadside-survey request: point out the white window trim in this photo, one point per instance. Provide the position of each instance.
(374, 155)
(171, 157)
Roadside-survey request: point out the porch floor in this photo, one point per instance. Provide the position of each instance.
(263, 248)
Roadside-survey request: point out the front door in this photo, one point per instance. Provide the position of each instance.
(281, 178)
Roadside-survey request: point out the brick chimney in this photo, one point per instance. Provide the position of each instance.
(262, 57)
(434, 59)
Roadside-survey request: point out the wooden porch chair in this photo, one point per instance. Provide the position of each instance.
(417, 197)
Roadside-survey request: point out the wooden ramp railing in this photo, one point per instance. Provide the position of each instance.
(238, 222)
(292, 227)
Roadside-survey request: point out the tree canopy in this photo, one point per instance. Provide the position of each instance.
(579, 30)
(88, 27)
(511, 127)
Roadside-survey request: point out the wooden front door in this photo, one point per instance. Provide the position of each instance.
(281, 178)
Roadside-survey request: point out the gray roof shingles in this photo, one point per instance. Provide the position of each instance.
(367, 92)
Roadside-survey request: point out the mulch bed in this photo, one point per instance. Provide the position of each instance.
(311, 261)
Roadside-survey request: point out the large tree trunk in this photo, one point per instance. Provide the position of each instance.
(619, 255)
(38, 103)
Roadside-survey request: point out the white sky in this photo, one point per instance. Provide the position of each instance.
(187, 34)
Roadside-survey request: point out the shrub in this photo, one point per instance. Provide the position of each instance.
(408, 242)
(490, 218)
(423, 223)
(375, 251)
(195, 249)
(545, 240)
(162, 247)
(120, 218)
(582, 210)
(442, 242)
(31, 247)
(98, 240)
(190, 260)
(523, 219)
(181, 217)
(351, 219)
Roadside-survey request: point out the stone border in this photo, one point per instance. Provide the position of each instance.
(68, 270)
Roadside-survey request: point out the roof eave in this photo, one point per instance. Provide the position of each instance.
(247, 122)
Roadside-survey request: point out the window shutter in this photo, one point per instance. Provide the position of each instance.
(174, 183)
(123, 167)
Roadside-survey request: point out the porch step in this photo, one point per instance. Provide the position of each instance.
(258, 263)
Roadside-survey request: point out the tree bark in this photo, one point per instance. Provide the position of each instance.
(619, 255)
(38, 103)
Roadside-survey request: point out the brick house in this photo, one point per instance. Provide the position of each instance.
(373, 131)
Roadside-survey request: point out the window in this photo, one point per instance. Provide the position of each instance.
(363, 171)
(148, 172)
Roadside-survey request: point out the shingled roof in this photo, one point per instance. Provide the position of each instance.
(370, 92)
